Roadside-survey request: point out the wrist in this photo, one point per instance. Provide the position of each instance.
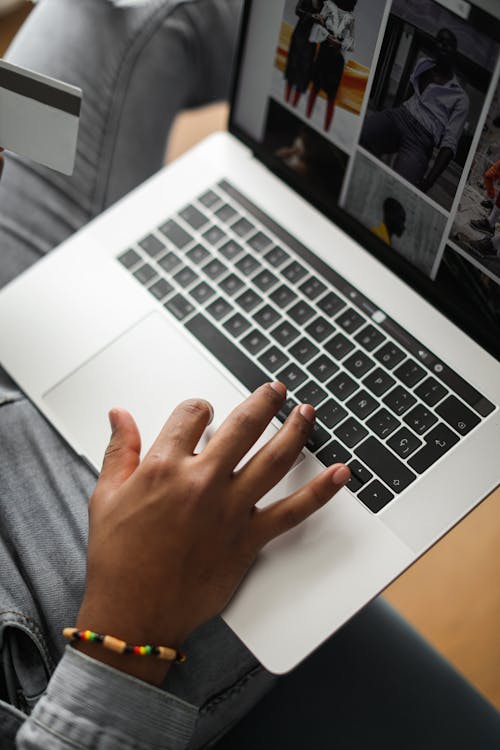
(147, 668)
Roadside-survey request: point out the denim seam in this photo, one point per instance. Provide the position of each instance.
(34, 629)
(117, 101)
(211, 706)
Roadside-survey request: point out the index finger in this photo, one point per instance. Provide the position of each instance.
(244, 426)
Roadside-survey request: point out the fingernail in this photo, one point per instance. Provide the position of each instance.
(113, 419)
(341, 476)
(279, 388)
(308, 413)
(211, 417)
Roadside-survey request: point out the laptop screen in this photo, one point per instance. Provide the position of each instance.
(385, 115)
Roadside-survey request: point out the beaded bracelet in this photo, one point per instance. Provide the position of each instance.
(121, 647)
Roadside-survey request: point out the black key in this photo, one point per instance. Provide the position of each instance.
(331, 413)
(179, 307)
(362, 404)
(437, 443)
(219, 309)
(320, 329)
(404, 443)
(312, 288)
(248, 300)
(399, 400)
(431, 391)
(214, 269)
(353, 484)
(145, 274)
(359, 363)
(230, 250)
(360, 472)
(334, 453)
(152, 245)
(303, 351)
(277, 256)
(160, 289)
(198, 254)
(247, 265)
(350, 320)
(286, 409)
(173, 232)
(339, 346)
(292, 376)
(202, 292)
(383, 423)
(331, 304)
(285, 333)
(129, 258)
(378, 382)
(385, 465)
(342, 386)
(265, 280)
(370, 338)
(351, 432)
(301, 313)
(273, 359)
(231, 284)
(410, 373)
(375, 496)
(311, 393)
(323, 368)
(185, 277)
(457, 415)
(169, 262)
(226, 212)
(283, 296)
(214, 235)
(255, 342)
(242, 227)
(294, 272)
(209, 199)
(318, 437)
(237, 325)
(259, 242)
(390, 355)
(267, 316)
(192, 216)
(420, 419)
(226, 352)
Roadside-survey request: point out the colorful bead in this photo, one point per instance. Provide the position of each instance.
(121, 647)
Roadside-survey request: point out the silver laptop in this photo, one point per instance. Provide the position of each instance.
(343, 239)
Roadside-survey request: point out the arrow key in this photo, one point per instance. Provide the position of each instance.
(375, 496)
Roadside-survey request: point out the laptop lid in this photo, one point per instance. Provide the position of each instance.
(385, 115)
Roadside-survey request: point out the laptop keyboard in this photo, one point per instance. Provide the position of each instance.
(269, 309)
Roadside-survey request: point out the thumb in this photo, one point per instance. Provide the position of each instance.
(122, 455)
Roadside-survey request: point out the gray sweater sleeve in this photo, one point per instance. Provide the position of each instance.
(91, 705)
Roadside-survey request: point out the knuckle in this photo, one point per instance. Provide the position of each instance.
(244, 419)
(196, 407)
(291, 518)
(157, 465)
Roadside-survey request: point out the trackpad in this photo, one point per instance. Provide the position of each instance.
(148, 371)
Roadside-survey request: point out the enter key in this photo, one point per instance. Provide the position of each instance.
(437, 443)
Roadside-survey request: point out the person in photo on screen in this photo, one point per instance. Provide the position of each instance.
(334, 34)
(393, 223)
(489, 245)
(434, 116)
(300, 59)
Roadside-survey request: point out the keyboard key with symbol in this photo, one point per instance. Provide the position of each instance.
(375, 496)
(385, 465)
(457, 415)
(404, 443)
(437, 443)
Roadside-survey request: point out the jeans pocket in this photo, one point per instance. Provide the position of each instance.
(24, 661)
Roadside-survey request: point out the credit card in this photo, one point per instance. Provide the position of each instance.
(39, 117)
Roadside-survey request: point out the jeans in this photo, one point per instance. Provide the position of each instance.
(138, 66)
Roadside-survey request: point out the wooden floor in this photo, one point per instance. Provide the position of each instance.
(452, 594)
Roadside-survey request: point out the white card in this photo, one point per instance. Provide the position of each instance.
(39, 117)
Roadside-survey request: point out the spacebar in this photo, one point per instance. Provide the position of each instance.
(226, 352)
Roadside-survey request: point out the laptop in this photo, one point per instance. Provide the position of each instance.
(304, 246)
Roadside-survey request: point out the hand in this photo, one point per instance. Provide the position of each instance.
(333, 41)
(319, 19)
(171, 538)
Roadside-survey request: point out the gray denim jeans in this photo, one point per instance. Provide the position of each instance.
(138, 66)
